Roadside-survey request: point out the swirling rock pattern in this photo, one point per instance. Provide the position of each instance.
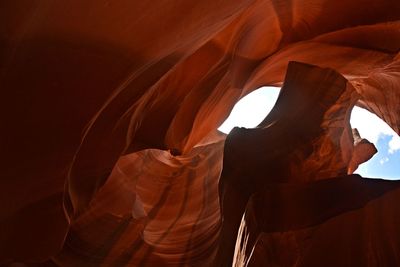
(110, 153)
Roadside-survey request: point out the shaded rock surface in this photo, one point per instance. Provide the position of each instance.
(110, 153)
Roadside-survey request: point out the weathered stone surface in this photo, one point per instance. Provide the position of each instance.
(110, 154)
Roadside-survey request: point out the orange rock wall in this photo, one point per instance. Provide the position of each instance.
(110, 153)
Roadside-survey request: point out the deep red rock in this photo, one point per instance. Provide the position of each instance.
(110, 153)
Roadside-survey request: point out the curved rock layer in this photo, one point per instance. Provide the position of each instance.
(111, 155)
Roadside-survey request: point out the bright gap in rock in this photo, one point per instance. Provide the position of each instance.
(254, 107)
(386, 163)
(251, 109)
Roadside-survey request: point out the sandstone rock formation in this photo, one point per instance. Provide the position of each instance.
(110, 153)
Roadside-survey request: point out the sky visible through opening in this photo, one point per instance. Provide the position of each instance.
(254, 107)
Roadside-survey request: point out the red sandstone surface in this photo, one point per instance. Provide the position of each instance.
(110, 153)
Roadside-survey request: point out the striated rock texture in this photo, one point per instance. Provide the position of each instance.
(110, 153)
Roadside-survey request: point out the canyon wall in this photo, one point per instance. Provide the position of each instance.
(110, 149)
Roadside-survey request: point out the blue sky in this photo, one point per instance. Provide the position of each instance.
(383, 164)
(253, 108)
(386, 163)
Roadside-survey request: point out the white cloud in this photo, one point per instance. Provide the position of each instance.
(384, 160)
(373, 128)
(394, 144)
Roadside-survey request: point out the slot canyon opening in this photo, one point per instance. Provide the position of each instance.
(385, 163)
(251, 110)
